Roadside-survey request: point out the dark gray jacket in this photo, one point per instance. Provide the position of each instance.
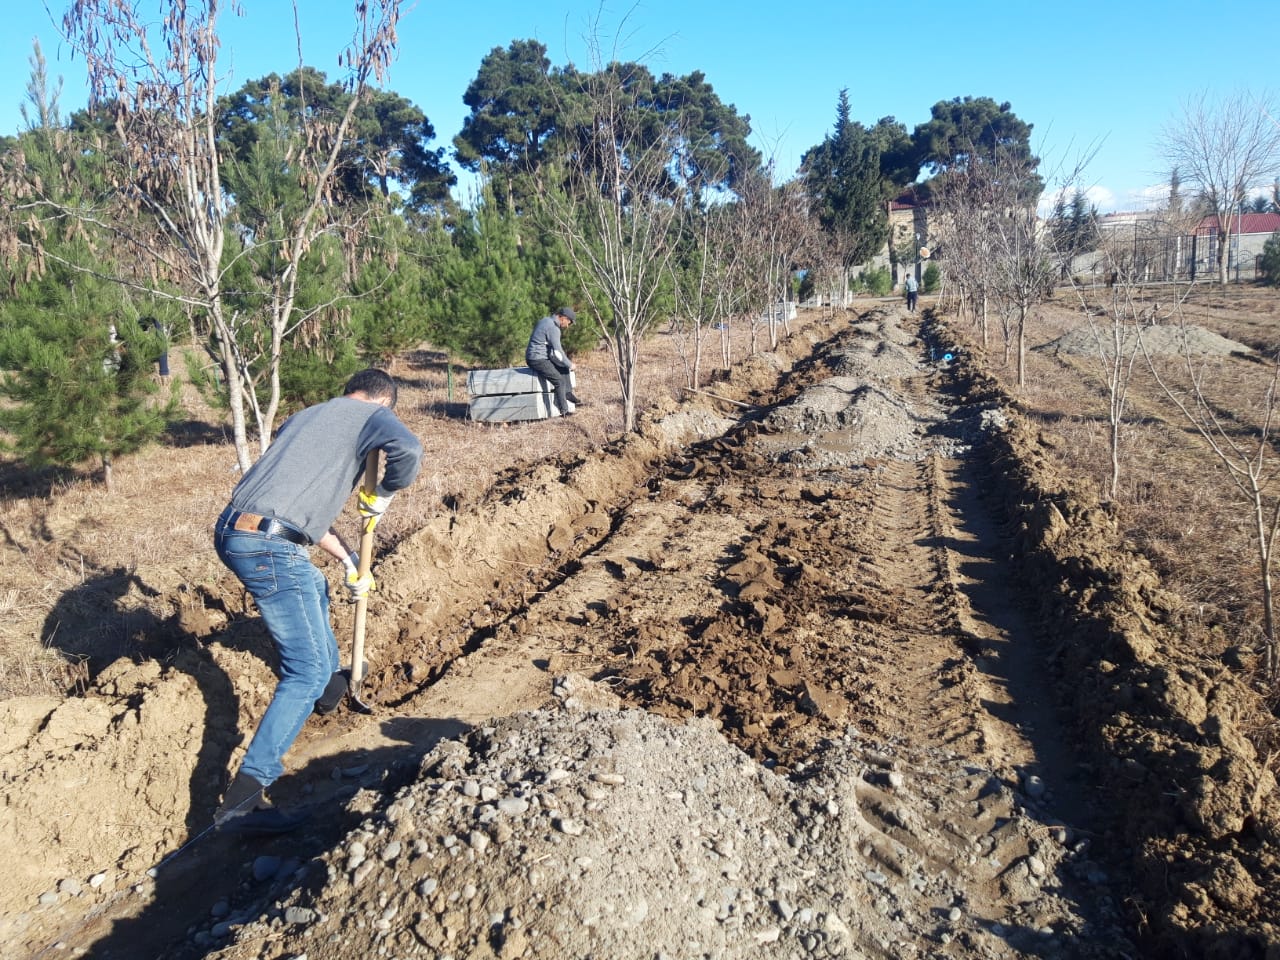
(317, 459)
(544, 344)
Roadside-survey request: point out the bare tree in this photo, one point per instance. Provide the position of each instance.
(779, 226)
(963, 232)
(1252, 466)
(620, 215)
(987, 225)
(158, 86)
(1226, 148)
(708, 294)
(1117, 345)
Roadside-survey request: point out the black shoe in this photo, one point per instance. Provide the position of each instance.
(243, 791)
(334, 691)
(574, 400)
(262, 821)
(245, 810)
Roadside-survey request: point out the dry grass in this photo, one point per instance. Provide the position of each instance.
(91, 574)
(1174, 499)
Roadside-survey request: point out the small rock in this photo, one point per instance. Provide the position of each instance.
(298, 915)
(97, 880)
(570, 827)
(513, 806)
(1033, 786)
(265, 867)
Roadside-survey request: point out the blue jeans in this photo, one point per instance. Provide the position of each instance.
(293, 597)
(559, 380)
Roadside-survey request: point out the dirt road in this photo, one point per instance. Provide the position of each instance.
(775, 680)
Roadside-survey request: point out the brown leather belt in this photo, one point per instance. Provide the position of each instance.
(256, 523)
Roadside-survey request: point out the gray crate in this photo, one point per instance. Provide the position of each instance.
(511, 407)
(483, 383)
(511, 394)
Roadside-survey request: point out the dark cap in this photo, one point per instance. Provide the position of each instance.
(567, 313)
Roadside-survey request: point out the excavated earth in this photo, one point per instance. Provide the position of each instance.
(840, 668)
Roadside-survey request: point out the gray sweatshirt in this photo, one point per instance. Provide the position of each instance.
(317, 459)
(544, 343)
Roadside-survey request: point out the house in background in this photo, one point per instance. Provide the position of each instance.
(1154, 246)
(1249, 232)
(908, 230)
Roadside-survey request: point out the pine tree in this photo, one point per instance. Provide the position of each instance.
(75, 364)
(77, 374)
(495, 304)
(390, 313)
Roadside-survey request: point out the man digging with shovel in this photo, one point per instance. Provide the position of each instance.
(287, 502)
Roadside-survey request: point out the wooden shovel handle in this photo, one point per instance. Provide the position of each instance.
(366, 560)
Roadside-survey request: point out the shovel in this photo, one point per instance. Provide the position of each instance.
(362, 604)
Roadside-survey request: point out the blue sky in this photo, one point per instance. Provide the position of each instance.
(1097, 80)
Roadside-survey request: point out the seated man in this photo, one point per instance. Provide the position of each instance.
(546, 357)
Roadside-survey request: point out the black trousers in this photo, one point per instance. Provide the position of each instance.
(558, 378)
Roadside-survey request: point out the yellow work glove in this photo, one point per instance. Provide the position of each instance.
(357, 586)
(372, 505)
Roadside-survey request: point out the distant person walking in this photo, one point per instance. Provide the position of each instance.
(286, 503)
(913, 290)
(546, 357)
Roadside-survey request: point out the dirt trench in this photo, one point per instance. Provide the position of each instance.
(791, 689)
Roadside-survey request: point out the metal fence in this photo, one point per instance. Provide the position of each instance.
(1146, 258)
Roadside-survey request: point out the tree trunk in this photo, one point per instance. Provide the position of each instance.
(1266, 539)
(1224, 250)
(234, 385)
(1022, 346)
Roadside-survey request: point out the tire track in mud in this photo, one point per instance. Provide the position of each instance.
(794, 597)
(787, 594)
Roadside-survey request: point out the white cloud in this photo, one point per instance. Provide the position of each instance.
(1101, 198)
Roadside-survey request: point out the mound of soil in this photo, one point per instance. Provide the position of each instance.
(1159, 341)
(574, 833)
